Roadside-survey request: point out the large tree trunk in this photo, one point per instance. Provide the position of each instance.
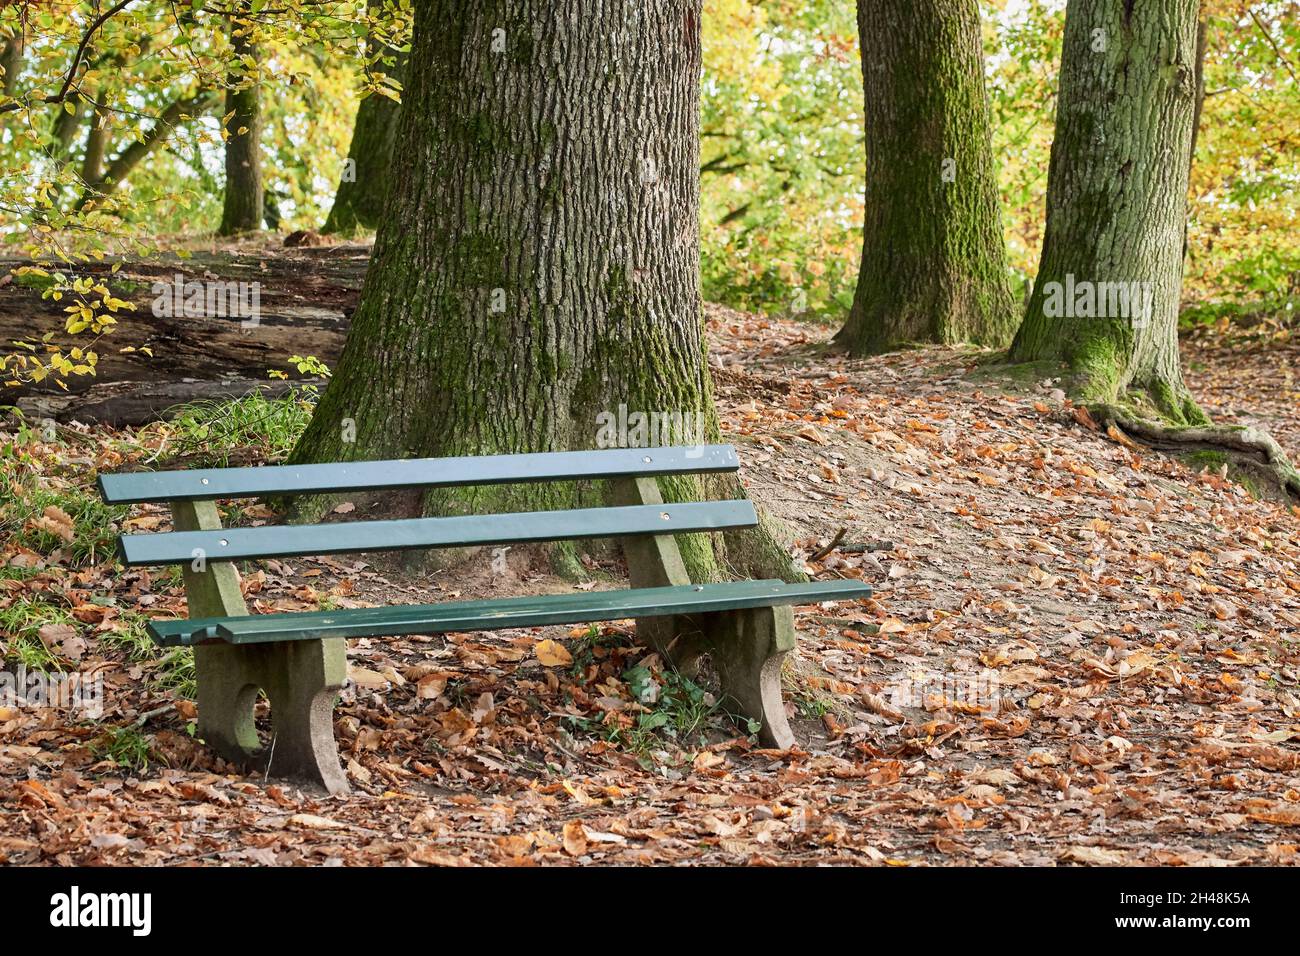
(933, 258)
(359, 202)
(242, 210)
(1106, 298)
(538, 264)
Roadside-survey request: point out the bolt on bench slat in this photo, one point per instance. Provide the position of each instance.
(535, 611)
(281, 541)
(203, 484)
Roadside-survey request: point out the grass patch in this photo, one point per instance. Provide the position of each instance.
(21, 622)
(209, 434)
(812, 706)
(170, 669)
(35, 493)
(124, 746)
(679, 710)
(175, 673)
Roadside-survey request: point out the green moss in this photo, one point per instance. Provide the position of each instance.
(520, 46)
(566, 562)
(1096, 365)
(1205, 459)
(34, 281)
(1218, 461)
(479, 257)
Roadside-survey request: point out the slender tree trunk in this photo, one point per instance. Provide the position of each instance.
(933, 258)
(11, 62)
(1106, 298)
(359, 202)
(242, 211)
(1197, 107)
(97, 138)
(538, 263)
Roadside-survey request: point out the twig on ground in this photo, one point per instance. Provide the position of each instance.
(858, 547)
(822, 552)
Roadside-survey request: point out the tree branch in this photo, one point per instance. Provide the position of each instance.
(1269, 37)
(131, 155)
(62, 95)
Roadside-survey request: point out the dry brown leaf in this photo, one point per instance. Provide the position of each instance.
(575, 838)
(552, 654)
(58, 523)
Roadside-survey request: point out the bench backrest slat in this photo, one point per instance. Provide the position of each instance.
(206, 484)
(279, 541)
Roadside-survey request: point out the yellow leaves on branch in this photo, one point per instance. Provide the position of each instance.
(93, 311)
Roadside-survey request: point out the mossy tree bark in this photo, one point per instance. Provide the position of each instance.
(243, 206)
(538, 262)
(933, 258)
(359, 201)
(1105, 302)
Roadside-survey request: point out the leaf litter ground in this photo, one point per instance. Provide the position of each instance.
(1141, 615)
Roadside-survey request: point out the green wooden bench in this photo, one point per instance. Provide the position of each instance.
(299, 659)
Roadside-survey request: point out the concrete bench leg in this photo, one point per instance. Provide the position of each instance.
(302, 679)
(228, 683)
(747, 648)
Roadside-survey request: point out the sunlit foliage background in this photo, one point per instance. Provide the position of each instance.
(782, 153)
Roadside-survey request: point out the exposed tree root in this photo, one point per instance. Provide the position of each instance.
(1253, 445)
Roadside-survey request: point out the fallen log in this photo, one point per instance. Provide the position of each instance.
(120, 404)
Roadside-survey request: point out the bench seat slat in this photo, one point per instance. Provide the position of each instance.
(281, 541)
(332, 478)
(568, 608)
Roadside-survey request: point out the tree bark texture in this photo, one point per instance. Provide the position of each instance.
(538, 264)
(1116, 205)
(933, 257)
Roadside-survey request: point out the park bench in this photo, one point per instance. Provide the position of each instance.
(299, 659)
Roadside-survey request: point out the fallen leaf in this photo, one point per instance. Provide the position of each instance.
(575, 838)
(552, 654)
(309, 821)
(58, 523)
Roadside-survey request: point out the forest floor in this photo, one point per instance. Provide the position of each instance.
(1132, 619)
